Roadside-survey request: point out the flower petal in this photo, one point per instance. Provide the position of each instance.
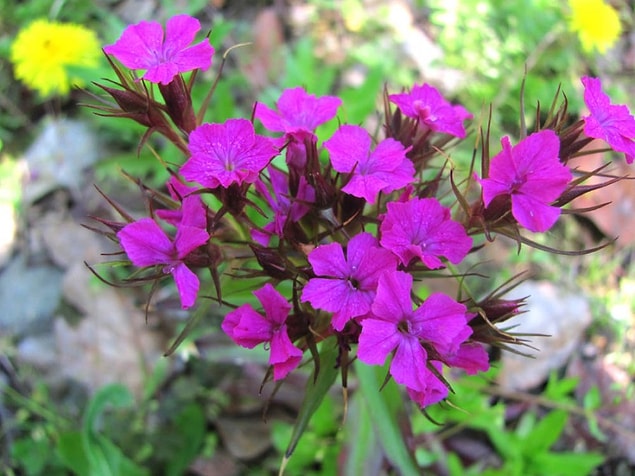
(187, 284)
(146, 244)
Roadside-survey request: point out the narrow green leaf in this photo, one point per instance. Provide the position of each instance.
(101, 460)
(114, 395)
(193, 321)
(362, 442)
(384, 422)
(315, 391)
(190, 426)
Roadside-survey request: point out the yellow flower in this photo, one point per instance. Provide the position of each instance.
(45, 54)
(597, 24)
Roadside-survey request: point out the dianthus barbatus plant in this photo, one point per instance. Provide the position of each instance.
(337, 233)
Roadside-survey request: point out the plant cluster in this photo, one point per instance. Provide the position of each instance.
(339, 233)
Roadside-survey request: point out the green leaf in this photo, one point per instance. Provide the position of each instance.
(32, 454)
(315, 391)
(559, 389)
(325, 421)
(193, 321)
(70, 448)
(190, 426)
(545, 433)
(156, 378)
(362, 442)
(361, 101)
(384, 421)
(114, 395)
(592, 399)
(110, 460)
(301, 67)
(104, 458)
(305, 452)
(507, 444)
(565, 464)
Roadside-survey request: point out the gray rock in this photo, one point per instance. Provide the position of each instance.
(28, 297)
(59, 157)
(38, 351)
(561, 315)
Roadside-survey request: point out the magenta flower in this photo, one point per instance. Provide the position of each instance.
(192, 211)
(435, 389)
(470, 356)
(613, 124)
(346, 286)
(223, 154)
(284, 206)
(298, 112)
(143, 46)
(249, 328)
(383, 170)
(426, 104)
(393, 326)
(532, 174)
(298, 115)
(146, 244)
(423, 228)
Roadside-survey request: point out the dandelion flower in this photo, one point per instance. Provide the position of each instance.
(44, 52)
(596, 23)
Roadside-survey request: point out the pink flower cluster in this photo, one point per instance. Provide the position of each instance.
(349, 221)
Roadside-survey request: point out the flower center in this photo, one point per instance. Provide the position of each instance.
(424, 111)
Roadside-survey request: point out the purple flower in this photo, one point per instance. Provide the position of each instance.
(383, 170)
(284, 206)
(470, 356)
(298, 115)
(346, 286)
(223, 154)
(143, 46)
(146, 244)
(613, 124)
(298, 112)
(423, 228)
(249, 328)
(532, 174)
(395, 327)
(192, 211)
(426, 104)
(435, 389)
